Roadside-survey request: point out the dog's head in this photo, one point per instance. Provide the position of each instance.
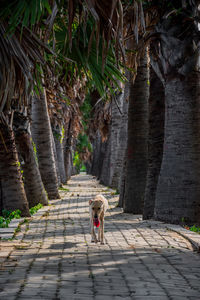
(96, 208)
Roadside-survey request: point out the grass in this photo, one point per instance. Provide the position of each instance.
(21, 247)
(7, 217)
(34, 209)
(114, 193)
(193, 228)
(63, 189)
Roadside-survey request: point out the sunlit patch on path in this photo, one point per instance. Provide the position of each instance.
(53, 257)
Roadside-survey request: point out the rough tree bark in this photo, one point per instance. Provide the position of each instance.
(122, 181)
(155, 142)
(178, 191)
(68, 150)
(105, 171)
(96, 155)
(116, 116)
(42, 137)
(55, 158)
(118, 172)
(13, 195)
(57, 134)
(33, 184)
(101, 158)
(136, 163)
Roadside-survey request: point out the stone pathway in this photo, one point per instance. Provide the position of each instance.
(52, 256)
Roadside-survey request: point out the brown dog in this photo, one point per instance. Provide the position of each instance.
(98, 207)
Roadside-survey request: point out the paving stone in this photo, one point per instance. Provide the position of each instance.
(140, 260)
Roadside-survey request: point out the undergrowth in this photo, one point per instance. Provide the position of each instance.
(193, 228)
(63, 189)
(8, 216)
(34, 209)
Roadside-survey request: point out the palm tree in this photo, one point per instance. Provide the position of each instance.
(68, 142)
(116, 116)
(136, 164)
(96, 155)
(155, 142)
(19, 51)
(19, 54)
(34, 187)
(42, 137)
(175, 41)
(122, 180)
(106, 166)
(55, 153)
(118, 171)
(58, 139)
(90, 60)
(12, 189)
(16, 69)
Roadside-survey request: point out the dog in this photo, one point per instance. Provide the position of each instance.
(97, 208)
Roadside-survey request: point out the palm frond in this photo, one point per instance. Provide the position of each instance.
(18, 56)
(25, 13)
(89, 63)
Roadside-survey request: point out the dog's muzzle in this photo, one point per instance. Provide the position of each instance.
(96, 221)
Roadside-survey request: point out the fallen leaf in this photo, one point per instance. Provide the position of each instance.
(157, 250)
(131, 247)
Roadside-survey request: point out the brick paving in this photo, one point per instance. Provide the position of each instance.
(52, 257)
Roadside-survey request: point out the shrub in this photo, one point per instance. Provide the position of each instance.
(34, 209)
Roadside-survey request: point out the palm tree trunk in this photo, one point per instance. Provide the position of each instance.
(68, 150)
(103, 148)
(122, 181)
(178, 191)
(55, 158)
(96, 154)
(155, 142)
(57, 134)
(116, 116)
(122, 139)
(33, 184)
(105, 171)
(12, 188)
(74, 170)
(1, 199)
(88, 166)
(42, 136)
(136, 164)
(68, 167)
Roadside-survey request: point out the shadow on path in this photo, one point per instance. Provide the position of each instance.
(56, 259)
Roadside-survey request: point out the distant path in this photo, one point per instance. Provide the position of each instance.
(54, 258)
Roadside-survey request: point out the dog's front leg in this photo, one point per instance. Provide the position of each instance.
(102, 232)
(99, 233)
(93, 234)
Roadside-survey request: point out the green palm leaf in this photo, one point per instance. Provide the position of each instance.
(81, 46)
(24, 12)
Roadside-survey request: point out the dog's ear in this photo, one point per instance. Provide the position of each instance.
(90, 202)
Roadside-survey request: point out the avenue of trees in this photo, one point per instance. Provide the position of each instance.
(111, 84)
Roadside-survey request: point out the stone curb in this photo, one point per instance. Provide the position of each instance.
(192, 237)
(8, 233)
